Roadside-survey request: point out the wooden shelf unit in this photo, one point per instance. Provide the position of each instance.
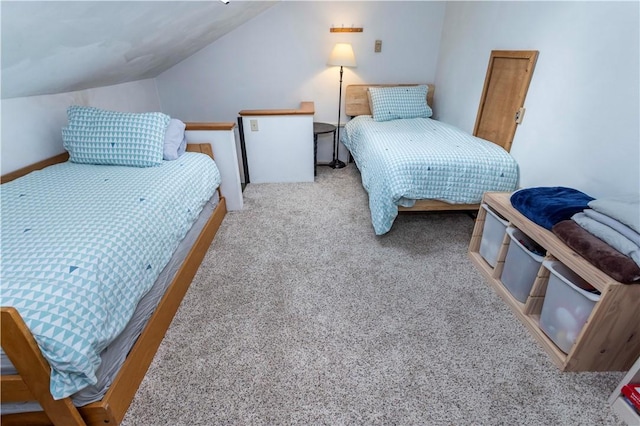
(610, 340)
(618, 404)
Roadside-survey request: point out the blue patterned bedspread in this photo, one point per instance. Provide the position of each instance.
(81, 244)
(401, 161)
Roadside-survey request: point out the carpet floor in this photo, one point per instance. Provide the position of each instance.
(299, 314)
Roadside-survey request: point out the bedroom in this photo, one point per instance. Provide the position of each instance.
(278, 58)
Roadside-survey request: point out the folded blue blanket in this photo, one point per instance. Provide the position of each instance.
(547, 206)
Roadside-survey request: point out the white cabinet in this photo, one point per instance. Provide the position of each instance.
(279, 144)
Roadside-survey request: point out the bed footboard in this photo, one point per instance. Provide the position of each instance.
(32, 383)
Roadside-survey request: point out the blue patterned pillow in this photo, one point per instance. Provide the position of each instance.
(392, 103)
(96, 136)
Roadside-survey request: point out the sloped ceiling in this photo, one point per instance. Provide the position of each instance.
(55, 47)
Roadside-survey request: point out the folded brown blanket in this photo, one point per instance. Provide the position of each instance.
(600, 254)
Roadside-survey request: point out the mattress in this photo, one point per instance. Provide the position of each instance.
(401, 161)
(77, 261)
(114, 355)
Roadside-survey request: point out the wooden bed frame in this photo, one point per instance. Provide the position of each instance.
(357, 103)
(32, 382)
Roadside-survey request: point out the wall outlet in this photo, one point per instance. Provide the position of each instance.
(378, 46)
(254, 125)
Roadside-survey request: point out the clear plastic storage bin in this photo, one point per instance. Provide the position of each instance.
(521, 264)
(567, 305)
(492, 236)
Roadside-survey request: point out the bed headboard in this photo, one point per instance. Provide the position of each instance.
(357, 101)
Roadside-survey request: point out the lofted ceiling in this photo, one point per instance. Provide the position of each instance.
(62, 46)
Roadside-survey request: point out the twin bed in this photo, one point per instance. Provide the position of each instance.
(95, 262)
(408, 161)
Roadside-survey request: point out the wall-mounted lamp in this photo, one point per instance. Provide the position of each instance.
(225, 1)
(342, 55)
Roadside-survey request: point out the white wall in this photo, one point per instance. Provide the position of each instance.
(32, 126)
(581, 128)
(223, 144)
(278, 59)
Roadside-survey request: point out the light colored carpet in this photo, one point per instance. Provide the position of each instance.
(299, 314)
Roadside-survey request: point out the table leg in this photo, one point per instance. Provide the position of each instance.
(315, 153)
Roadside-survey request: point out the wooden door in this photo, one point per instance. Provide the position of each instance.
(502, 101)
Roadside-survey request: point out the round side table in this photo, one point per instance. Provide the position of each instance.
(319, 129)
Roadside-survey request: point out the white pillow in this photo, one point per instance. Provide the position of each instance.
(175, 141)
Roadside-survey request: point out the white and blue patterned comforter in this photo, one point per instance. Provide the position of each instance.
(81, 244)
(401, 161)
